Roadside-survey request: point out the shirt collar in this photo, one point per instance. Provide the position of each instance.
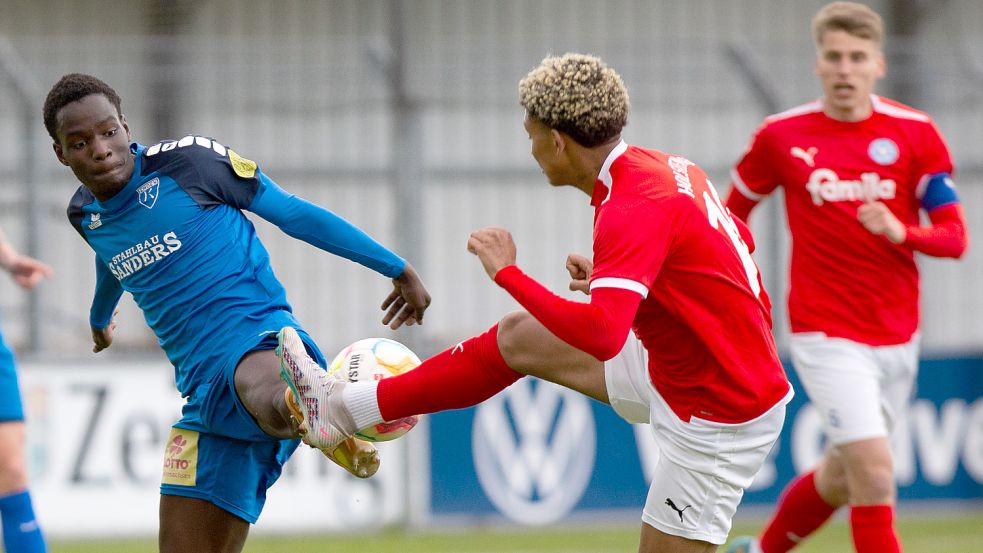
(602, 187)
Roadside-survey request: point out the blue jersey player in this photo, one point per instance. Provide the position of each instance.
(166, 223)
(21, 533)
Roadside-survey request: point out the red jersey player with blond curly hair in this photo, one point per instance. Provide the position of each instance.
(677, 331)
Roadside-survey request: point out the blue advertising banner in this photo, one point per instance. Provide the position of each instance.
(538, 452)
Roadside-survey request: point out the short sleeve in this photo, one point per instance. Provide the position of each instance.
(933, 153)
(631, 241)
(754, 175)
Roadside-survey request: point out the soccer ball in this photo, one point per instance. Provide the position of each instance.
(375, 359)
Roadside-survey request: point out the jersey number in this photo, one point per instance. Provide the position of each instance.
(719, 215)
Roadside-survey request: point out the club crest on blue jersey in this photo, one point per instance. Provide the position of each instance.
(883, 150)
(147, 193)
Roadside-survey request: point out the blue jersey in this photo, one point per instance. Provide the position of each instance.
(176, 239)
(11, 408)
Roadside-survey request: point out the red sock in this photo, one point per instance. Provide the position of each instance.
(457, 377)
(801, 511)
(873, 529)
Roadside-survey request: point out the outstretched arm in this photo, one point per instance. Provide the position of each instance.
(325, 230)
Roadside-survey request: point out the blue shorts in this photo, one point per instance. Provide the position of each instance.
(11, 408)
(218, 453)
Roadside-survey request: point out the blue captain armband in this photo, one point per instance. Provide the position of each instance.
(937, 190)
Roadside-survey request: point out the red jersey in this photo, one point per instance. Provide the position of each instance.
(661, 231)
(845, 281)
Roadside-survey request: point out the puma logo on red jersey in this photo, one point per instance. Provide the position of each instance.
(807, 155)
(826, 186)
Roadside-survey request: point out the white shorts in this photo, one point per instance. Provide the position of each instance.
(704, 467)
(859, 390)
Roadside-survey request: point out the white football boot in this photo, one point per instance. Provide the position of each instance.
(310, 386)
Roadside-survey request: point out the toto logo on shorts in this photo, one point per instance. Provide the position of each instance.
(534, 448)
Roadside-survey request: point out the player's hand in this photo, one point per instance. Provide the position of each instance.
(878, 219)
(27, 272)
(579, 268)
(407, 302)
(494, 247)
(102, 338)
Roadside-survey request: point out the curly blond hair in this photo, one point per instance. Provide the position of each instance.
(856, 19)
(578, 95)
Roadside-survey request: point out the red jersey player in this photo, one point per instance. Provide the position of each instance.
(677, 331)
(856, 170)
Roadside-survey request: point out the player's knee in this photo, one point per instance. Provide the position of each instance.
(869, 469)
(831, 484)
(512, 340)
(13, 471)
(871, 484)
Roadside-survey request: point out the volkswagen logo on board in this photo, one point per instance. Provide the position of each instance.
(534, 446)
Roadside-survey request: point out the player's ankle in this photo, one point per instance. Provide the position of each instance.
(357, 407)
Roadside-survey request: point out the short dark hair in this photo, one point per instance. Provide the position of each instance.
(72, 88)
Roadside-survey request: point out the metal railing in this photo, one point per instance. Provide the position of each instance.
(403, 118)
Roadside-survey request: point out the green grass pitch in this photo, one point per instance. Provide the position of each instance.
(962, 532)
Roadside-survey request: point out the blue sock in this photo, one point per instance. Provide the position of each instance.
(21, 533)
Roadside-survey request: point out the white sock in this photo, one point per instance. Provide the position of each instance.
(360, 400)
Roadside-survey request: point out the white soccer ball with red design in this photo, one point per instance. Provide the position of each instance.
(375, 359)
